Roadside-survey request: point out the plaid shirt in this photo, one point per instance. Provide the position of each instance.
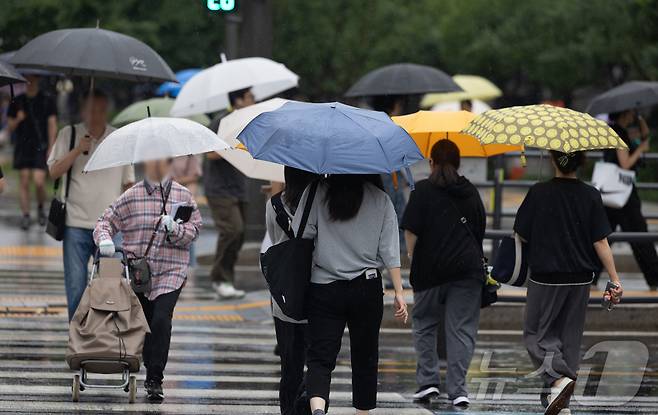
(135, 214)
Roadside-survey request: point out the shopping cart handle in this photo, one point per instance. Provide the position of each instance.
(119, 250)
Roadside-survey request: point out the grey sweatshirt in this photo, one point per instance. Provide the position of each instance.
(346, 249)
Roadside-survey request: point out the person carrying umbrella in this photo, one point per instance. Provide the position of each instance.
(226, 191)
(32, 117)
(630, 217)
(88, 193)
(144, 213)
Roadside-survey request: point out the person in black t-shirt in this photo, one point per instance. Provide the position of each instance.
(32, 118)
(630, 217)
(563, 221)
(446, 269)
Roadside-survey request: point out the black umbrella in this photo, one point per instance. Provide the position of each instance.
(403, 79)
(6, 56)
(93, 52)
(627, 96)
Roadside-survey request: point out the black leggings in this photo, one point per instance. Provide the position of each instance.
(357, 304)
(292, 341)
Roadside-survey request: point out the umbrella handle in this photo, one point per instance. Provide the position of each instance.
(91, 95)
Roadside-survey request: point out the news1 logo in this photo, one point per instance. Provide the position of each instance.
(221, 5)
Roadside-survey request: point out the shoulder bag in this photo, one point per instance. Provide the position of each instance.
(614, 183)
(287, 267)
(511, 263)
(490, 287)
(57, 213)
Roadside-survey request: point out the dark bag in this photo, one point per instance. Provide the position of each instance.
(57, 214)
(140, 270)
(287, 267)
(511, 265)
(490, 288)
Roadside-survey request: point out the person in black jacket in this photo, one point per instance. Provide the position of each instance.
(444, 226)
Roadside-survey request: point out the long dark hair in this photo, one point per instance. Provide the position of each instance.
(296, 182)
(445, 159)
(345, 194)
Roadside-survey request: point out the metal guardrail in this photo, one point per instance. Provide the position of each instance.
(499, 183)
(497, 234)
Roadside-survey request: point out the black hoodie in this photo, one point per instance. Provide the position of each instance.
(444, 251)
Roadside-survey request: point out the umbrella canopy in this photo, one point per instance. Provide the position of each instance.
(158, 107)
(153, 138)
(544, 126)
(173, 88)
(252, 168)
(208, 90)
(627, 96)
(231, 125)
(93, 52)
(474, 87)
(9, 75)
(428, 127)
(402, 79)
(6, 56)
(330, 138)
(478, 106)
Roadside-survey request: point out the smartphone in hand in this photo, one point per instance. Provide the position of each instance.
(607, 302)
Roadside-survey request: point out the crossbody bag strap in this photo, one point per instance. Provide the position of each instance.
(464, 221)
(282, 218)
(68, 172)
(163, 210)
(307, 209)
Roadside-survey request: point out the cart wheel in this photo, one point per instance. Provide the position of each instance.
(75, 389)
(132, 389)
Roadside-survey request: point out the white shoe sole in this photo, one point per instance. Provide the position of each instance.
(560, 403)
(426, 394)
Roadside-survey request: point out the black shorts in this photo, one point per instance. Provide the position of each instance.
(33, 160)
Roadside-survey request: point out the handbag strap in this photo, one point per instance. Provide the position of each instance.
(68, 172)
(307, 208)
(282, 218)
(164, 194)
(464, 221)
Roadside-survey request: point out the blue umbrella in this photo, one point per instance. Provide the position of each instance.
(330, 138)
(172, 88)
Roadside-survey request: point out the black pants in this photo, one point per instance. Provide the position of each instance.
(292, 341)
(359, 305)
(159, 314)
(630, 219)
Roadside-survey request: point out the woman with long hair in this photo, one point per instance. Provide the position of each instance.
(444, 226)
(291, 334)
(565, 226)
(355, 229)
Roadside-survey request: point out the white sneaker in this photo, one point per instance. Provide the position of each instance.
(559, 397)
(461, 402)
(226, 291)
(565, 411)
(426, 392)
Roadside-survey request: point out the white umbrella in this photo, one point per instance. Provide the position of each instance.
(208, 90)
(153, 139)
(232, 125)
(229, 129)
(252, 168)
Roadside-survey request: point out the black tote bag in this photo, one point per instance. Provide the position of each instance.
(57, 213)
(287, 267)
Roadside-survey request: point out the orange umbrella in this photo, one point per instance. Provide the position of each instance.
(428, 127)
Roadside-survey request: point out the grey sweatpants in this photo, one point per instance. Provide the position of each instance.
(553, 331)
(462, 315)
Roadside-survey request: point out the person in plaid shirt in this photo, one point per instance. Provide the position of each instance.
(135, 214)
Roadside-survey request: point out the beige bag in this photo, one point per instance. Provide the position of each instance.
(109, 326)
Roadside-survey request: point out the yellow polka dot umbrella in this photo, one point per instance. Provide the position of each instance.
(545, 127)
(428, 127)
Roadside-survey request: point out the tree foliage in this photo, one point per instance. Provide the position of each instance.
(533, 49)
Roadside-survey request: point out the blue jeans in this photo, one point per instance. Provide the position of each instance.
(79, 246)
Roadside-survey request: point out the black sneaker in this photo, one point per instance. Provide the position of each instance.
(25, 222)
(318, 412)
(425, 393)
(154, 392)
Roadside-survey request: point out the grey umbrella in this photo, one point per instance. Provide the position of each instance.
(403, 79)
(9, 75)
(627, 96)
(93, 52)
(6, 56)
